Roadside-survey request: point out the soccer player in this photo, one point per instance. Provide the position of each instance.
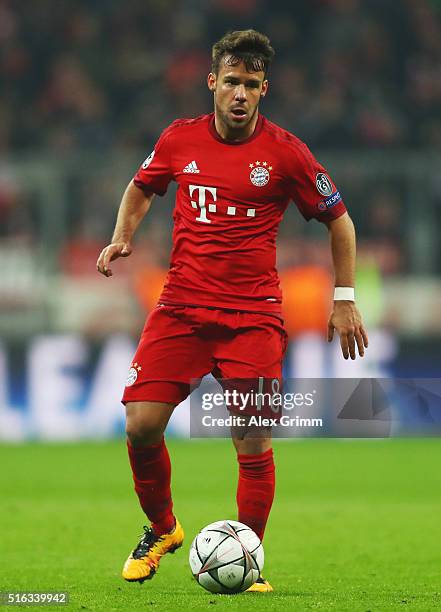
(220, 309)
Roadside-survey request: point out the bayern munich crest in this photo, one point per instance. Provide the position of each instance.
(133, 374)
(260, 173)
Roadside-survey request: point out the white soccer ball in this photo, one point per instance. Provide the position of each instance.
(226, 557)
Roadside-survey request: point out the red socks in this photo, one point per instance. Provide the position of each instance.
(151, 475)
(255, 491)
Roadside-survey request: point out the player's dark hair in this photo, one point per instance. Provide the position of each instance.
(248, 46)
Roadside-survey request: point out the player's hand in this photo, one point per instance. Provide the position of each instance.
(110, 253)
(346, 319)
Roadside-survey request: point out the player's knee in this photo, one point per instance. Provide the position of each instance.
(252, 446)
(140, 433)
(144, 426)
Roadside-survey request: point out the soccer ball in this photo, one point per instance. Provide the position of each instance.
(226, 557)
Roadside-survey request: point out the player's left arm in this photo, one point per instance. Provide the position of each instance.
(345, 317)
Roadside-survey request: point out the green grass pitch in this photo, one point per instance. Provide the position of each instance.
(356, 525)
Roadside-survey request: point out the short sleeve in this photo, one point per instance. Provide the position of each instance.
(311, 187)
(155, 173)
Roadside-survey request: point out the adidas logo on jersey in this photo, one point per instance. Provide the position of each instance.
(191, 168)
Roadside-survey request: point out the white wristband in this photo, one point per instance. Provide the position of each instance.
(344, 293)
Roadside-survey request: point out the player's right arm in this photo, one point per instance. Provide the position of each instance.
(134, 206)
(153, 177)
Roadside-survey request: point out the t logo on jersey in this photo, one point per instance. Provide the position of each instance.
(201, 191)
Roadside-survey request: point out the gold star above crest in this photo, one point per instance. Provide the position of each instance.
(139, 368)
(270, 167)
(265, 163)
(257, 163)
(251, 165)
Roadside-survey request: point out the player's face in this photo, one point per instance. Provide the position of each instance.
(237, 94)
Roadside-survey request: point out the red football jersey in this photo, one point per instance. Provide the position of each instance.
(230, 200)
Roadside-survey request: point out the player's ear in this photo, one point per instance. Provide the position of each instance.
(264, 88)
(211, 81)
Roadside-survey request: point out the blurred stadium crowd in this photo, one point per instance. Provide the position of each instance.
(88, 74)
(87, 87)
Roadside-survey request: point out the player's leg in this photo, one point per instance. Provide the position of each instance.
(150, 461)
(252, 350)
(256, 483)
(151, 469)
(169, 355)
(255, 350)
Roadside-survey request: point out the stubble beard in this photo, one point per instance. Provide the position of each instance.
(232, 127)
